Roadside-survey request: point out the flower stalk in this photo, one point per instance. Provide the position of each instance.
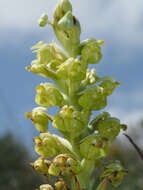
(77, 91)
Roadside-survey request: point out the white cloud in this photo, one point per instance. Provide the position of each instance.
(119, 20)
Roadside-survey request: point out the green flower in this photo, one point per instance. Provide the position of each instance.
(70, 122)
(91, 77)
(72, 69)
(64, 163)
(93, 147)
(48, 95)
(49, 145)
(41, 165)
(109, 128)
(95, 95)
(61, 185)
(108, 84)
(101, 117)
(48, 52)
(91, 51)
(49, 57)
(39, 118)
(114, 172)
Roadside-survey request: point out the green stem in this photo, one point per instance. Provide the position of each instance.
(103, 184)
(86, 172)
(75, 148)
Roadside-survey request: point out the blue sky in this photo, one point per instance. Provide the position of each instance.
(118, 22)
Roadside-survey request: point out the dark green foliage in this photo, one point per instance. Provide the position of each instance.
(15, 171)
(131, 160)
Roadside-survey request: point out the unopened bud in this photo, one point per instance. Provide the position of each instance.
(46, 187)
(43, 20)
(61, 185)
(41, 165)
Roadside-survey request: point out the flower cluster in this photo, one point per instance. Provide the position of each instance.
(77, 91)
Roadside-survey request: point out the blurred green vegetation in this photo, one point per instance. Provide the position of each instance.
(124, 151)
(15, 171)
(17, 174)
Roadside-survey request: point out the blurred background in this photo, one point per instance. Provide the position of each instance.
(119, 23)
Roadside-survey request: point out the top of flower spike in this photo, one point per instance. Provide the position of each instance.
(62, 8)
(67, 27)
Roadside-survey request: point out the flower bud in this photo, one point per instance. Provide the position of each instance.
(46, 187)
(91, 51)
(39, 118)
(61, 185)
(69, 122)
(109, 128)
(96, 97)
(49, 145)
(74, 165)
(72, 69)
(67, 28)
(61, 9)
(43, 20)
(108, 84)
(64, 163)
(91, 76)
(93, 147)
(48, 95)
(41, 165)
